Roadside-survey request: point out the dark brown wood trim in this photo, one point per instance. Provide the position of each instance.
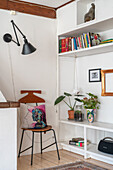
(64, 4)
(3, 4)
(9, 104)
(28, 8)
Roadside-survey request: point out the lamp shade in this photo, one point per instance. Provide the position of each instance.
(27, 48)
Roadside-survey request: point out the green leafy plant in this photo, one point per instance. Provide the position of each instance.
(67, 95)
(61, 98)
(90, 103)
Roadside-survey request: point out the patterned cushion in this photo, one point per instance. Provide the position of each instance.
(38, 116)
(32, 117)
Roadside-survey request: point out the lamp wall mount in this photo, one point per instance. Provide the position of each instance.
(12, 12)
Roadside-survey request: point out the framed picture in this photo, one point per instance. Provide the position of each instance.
(95, 75)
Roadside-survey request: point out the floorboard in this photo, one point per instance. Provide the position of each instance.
(50, 159)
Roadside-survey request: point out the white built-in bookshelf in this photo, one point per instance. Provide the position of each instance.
(92, 26)
(97, 26)
(89, 51)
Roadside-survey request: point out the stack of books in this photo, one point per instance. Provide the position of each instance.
(107, 41)
(78, 142)
(75, 43)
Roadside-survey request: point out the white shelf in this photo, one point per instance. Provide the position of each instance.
(92, 150)
(72, 148)
(95, 125)
(89, 51)
(92, 26)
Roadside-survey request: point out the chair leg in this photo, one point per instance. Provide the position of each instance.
(21, 143)
(56, 144)
(32, 148)
(41, 141)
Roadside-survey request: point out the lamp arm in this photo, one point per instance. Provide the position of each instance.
(14, 25)
(16, 42)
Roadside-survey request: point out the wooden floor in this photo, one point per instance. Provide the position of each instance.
(49, 159)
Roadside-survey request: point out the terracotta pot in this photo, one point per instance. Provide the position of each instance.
(71, 114)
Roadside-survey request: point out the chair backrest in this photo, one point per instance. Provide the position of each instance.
(37, 115)
(30, 97)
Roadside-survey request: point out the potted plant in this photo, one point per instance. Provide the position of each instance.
(69, 104)
(91, 104)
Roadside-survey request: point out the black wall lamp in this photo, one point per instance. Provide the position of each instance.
(27, 47)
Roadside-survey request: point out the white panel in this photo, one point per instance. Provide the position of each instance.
(104, 9)
(8, 139)
(66, 18)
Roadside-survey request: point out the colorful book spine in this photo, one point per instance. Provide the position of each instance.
(75, 45)
(85, 40)
(81, 41)
(67, 44)
(83, 44)
(70, 46)
(80, 46)
(60, 46)
(72, 43)
(63, 45)
(89, 40)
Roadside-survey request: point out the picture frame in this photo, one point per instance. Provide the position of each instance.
(104, 82)
(95, 75)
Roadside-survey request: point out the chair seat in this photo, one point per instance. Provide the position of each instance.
(48, 127)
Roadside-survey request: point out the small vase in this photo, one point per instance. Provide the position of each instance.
(71, 114)
(91, 115)
(78, 115)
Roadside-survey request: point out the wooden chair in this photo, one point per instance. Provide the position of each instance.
(31, 98)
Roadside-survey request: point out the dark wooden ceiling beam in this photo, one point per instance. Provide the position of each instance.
(3, 4)
(28, 8)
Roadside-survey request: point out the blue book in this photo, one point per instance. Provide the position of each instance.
(75, 45)
(87, 40)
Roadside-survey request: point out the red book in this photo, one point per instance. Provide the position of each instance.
(79, 42)
(63, 45)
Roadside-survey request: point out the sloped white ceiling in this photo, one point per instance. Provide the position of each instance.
(50, 3)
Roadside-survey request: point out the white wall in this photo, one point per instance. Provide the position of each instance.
(103, 61)
(34, 71)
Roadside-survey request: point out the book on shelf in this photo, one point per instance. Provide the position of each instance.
(78, 142)
(85, 40)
